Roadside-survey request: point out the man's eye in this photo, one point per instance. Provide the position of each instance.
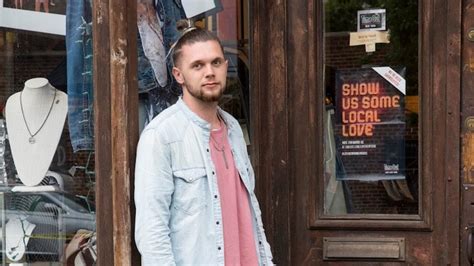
(197, 66)
(217, 62)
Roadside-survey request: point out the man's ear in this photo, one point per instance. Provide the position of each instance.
(178, 75)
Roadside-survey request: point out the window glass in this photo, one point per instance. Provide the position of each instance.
(47, 179)
(371, 128)
(160, 23)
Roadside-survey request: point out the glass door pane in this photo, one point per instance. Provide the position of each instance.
(371, 128)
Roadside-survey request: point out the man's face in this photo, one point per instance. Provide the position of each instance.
(201, 70)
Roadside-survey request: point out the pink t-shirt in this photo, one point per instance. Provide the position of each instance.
(239, 243)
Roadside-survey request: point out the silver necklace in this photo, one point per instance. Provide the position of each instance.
(32, 139)
(221, 148)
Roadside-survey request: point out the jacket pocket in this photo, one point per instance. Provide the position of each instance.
(190, 186)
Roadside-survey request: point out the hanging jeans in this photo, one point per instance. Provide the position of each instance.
(152, 41)
(154, 102)
(169, 12)
(79, 74)
(146, 75)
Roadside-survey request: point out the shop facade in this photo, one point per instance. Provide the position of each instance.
(358, 117)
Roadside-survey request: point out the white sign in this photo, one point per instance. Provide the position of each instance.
(31, 20)
(393, 77)
(361, 38)
(193, 8)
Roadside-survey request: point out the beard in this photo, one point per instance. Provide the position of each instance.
(203, 95)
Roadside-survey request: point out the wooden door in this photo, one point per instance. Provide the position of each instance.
(350, 172)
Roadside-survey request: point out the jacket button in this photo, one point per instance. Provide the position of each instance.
(217, 222)
(259, 242)
(215, 196)
(218, 248)
(213, 172)
(207, 150)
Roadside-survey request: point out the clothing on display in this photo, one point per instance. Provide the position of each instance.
(158, 88)
(152, 41)
(79, 73)
(169, 12)
(146, 75)
(334, 197)
(154, 102)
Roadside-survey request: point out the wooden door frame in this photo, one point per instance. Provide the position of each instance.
(269, 120)
(453, 141)
(467, 135)
(116, 128)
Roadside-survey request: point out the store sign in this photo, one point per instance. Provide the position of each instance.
(362, 38)
(370, 125)
(26, 15)
(371, 20)
(193, 8)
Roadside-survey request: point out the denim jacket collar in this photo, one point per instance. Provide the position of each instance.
(198, 120)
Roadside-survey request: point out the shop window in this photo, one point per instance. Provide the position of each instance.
(47, 178)
(372, 96)
(160, 24)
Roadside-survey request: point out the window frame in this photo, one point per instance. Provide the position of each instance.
(427, 138)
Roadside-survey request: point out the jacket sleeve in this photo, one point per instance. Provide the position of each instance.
(153, 190)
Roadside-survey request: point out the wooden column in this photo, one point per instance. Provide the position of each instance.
(116, 129)
(269, 114)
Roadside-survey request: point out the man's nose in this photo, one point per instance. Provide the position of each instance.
(209, 70)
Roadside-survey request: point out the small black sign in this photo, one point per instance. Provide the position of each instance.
(373, 19)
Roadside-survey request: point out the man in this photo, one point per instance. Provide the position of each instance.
(194, 182)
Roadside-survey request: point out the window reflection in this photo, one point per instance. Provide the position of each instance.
(371, 107)
(47, 178)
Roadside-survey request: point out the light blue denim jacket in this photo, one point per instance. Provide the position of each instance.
(178, 211)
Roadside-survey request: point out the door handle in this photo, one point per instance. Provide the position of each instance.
(469, 244)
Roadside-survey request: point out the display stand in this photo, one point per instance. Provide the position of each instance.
(35, 119)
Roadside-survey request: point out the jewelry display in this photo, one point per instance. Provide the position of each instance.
(32, 139)
(35, 118)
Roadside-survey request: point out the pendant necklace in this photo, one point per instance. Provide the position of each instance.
(221, 148)
(32, 139)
